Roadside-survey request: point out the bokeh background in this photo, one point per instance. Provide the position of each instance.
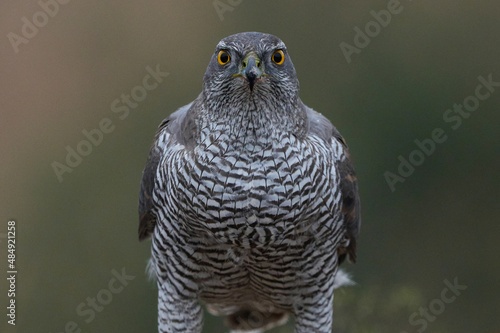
(441, 223)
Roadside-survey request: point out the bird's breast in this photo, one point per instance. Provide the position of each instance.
(253, 198)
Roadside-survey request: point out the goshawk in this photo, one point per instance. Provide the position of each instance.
(250, 198)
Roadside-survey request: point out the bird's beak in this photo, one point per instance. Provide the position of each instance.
(251, 68)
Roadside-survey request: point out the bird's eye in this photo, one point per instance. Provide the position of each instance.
(278, 57)
(223, 57)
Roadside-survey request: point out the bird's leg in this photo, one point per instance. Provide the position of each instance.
(179, 310)
(178, 313)
(314, 316)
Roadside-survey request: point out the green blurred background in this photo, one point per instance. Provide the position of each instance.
(441, 224)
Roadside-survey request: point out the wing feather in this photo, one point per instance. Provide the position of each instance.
(167, 134)
(351, 211)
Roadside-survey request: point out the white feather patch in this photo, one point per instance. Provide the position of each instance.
(343, 279)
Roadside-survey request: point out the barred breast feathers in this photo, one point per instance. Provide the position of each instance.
(322, 127)
(169, 129)
(176, 129)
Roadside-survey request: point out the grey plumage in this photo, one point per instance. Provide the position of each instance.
(250, 198)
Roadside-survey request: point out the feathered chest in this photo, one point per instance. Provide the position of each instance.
(252, 191)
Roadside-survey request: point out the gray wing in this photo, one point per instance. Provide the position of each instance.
(168, 133)
(351, 211)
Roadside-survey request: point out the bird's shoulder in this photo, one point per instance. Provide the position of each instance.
(321, 127)
(169, 133)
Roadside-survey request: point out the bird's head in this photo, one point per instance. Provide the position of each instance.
(251, 66)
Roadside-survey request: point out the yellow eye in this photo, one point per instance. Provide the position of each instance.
(278, 57)
(223, 57)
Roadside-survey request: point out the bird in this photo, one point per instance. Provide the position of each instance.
(250, 199)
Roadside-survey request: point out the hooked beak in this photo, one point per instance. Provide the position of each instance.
(251, 69)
